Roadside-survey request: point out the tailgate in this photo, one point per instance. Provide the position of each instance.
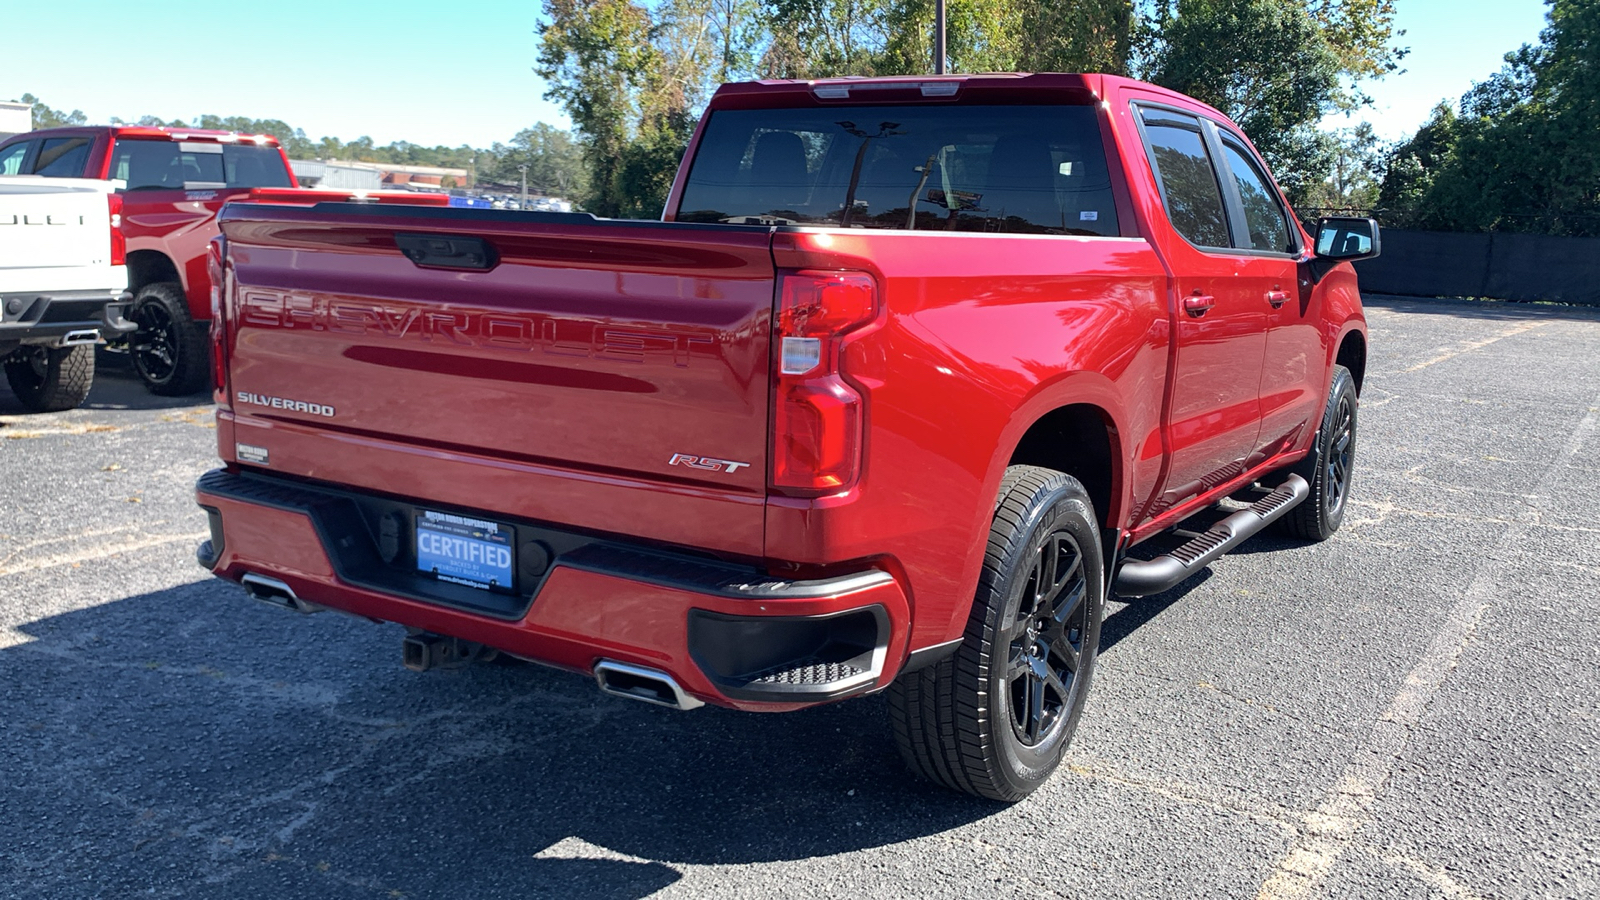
(615, 352)
(48, 224)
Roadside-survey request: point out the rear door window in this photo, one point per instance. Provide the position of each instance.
(62, 157)
(998, 169)
(1265, 219)
(12, 158)
(1188, 181)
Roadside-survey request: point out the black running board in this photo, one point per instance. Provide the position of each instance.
(1141, 578)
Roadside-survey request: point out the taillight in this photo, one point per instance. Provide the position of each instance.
(119, 242)
(817, 415)
(221, 391)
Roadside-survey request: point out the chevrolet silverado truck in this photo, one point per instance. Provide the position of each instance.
(173, 182)
(63, 285)
(885, 403)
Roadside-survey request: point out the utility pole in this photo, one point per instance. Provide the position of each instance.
(938, 40)
(524, 170)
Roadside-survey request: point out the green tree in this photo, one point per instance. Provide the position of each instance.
(826, 38)
(1267, 65)
(597, 57)
(1358, 160)
(554, 160)
(1520, 156)
(45, 117)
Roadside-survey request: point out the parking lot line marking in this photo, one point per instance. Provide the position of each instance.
(1469, 346)
(100, 551)
(1328, 831)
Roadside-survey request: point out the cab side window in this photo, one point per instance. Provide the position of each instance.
(1187, 178)
(11, 158)
(62, 157)
(1264, 216)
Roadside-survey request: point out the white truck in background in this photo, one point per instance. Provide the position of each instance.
(63, 285)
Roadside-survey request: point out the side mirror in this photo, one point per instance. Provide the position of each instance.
(1345, 239)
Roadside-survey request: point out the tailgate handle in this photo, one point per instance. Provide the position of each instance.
(447, 251)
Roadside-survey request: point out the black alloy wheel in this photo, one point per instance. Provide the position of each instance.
(170, 351)
(1045, 641)
(154, 343)
(995, 719)
(1341, 449)
(1330, 466)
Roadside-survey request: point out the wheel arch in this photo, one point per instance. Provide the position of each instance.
(1081, 440)
(147, 267)
(1352, 354)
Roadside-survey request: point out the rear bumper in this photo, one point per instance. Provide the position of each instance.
(730, 635)
(57, 318)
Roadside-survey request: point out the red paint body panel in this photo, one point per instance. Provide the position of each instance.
(563, 384)
(178, 224)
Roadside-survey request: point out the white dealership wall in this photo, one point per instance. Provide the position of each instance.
(15, 118)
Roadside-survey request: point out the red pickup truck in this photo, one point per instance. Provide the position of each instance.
(884, 403)
(174, 182)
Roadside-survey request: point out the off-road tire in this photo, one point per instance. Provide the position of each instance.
(1329, 467)
(956, 722)
(170, 351)
(51, 380)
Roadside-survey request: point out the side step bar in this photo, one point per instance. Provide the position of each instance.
(1141, 578)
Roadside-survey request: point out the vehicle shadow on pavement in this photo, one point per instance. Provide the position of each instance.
(1139, 611)
(191, 735)
(116, 387)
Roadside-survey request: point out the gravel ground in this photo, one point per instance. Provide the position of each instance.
(1411, 709)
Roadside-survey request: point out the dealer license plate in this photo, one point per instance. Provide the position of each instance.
(464, 551)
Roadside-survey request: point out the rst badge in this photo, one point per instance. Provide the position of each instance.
(706, 463)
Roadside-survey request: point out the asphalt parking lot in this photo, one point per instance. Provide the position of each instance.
(1409, 710)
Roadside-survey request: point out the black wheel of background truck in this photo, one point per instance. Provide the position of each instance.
(51, 380)
(1329, 466)
(995, 719)
(170, 352)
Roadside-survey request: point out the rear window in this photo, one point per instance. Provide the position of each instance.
(62, 157)
(1005, 169)
(148, 165)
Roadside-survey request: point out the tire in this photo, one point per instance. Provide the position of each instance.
(995, 719)
(1329, 466)
(51, 380)
(169, 351)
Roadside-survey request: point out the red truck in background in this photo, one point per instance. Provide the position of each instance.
(175, 182)
(888, 401)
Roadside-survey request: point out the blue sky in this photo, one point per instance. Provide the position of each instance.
(462, 73)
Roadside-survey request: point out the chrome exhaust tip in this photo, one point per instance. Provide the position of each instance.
(79, 338)
(640, 683)
(275, 592)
